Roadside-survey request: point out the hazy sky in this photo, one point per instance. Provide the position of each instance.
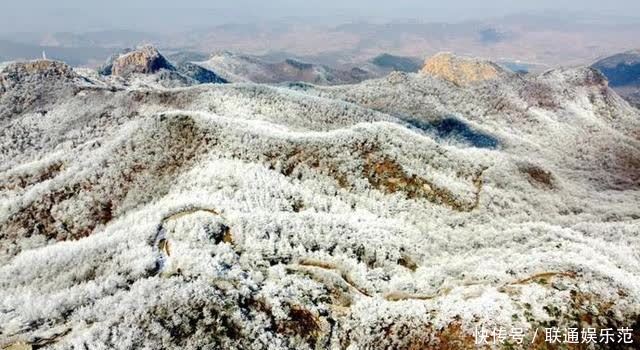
(176, 15)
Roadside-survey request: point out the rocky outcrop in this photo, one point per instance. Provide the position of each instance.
(107, 67)
(145, 60)
(461, 71)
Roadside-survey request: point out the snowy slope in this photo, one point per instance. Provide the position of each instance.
(398, 213)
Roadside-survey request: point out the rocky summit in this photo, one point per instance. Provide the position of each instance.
(461, 71)
(406, 212)
(144, 60)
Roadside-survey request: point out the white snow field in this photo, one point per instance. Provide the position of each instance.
(399, 213)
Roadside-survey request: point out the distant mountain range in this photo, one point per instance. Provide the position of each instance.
(271, 68)
(75, 55)
(262, 69)
(535, 41)
(545, 39)
(244, 68)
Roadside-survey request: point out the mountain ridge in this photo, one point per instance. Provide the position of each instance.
(148, 61)
(246, 68)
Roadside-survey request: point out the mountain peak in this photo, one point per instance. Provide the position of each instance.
(461, 71)
(145, 60)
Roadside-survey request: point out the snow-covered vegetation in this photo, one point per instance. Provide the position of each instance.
(368, 216)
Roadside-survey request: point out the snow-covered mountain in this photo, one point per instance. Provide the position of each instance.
(623, 72)
(146, 67)
(397, 213)
(246, 68)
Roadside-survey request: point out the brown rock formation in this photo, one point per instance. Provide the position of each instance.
(145, 60)
(460, 70)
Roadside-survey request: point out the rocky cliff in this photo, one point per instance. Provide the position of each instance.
(145, 60)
